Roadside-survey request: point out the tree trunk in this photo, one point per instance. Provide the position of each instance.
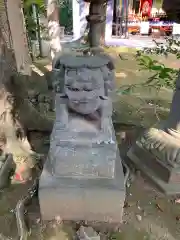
(96, 18)
(53, 26)
(18, 34)
(95, 26)
(11, 129)
(16, 115)
(103, 25)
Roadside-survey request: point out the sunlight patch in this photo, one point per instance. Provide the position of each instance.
(37, 70)
(121, 74)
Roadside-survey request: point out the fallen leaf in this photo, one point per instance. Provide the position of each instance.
(159, 207)
(139, 217)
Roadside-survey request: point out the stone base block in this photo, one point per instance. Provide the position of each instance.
(99, 200)
(162, 170)
(102, 205)
(155, 171)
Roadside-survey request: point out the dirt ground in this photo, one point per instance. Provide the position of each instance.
(148, 214)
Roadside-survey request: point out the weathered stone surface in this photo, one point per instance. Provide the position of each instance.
(160, 169)
(79, 147)
(82, 199)
(96, 68)
(167, 188)
(156, 153)
(164, 145)
(83, 175)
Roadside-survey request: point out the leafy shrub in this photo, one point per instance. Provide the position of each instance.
(161, 76)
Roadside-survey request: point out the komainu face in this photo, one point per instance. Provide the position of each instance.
(83, 88)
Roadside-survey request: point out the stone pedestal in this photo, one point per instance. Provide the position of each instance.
(83, 177)
(156, 154)
(82, 199)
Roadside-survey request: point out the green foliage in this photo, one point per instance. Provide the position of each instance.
(160, 75)
(65, 10)
(163, 76)
(66, 15)
(28, 4)
(63, 3)
(171, 47)
(30, 22)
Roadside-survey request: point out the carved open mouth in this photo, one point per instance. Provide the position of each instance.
(79, 102)
(79, 90)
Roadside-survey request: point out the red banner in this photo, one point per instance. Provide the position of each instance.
(145, 7)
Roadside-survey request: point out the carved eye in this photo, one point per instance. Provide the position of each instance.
(87, 90)
(73, 89)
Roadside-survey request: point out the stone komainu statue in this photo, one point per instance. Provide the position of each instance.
(83, 168)
(83, 113)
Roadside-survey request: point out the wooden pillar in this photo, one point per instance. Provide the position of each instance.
(19, 39)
